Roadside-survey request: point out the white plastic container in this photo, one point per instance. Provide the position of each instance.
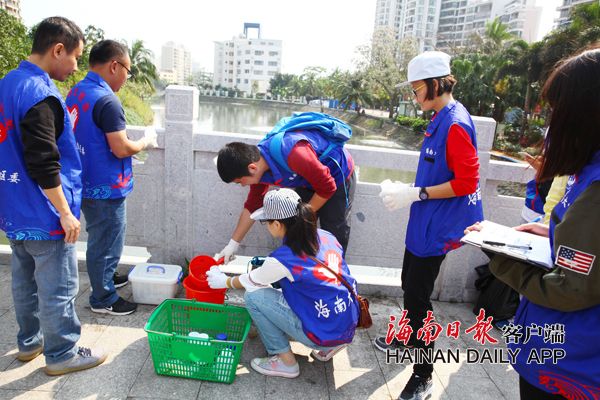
(153, 283)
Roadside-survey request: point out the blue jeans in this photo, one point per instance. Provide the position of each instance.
(105, 224)
(275, 320)
(44, 285)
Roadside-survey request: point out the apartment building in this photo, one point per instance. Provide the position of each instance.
(247, 63)
(446, 24)
(564, 11)
(13, 7)
(175, 64)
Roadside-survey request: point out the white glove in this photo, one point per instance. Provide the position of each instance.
(228, 252)
(216, 279)
(150, 138)
(397, 195)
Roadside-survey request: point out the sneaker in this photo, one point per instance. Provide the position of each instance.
(273, 366)
(29, 355)
(380, 344)
(417, 388)
(84, 359)
(120, 280)
(119, 307)
(323, 355)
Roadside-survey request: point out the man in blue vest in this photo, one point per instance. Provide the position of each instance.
(327, 184)
(40, 198)
(99, 125)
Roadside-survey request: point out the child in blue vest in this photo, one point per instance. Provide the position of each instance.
(560, 311)
(40, 198)
(444, 200)
(313, 306)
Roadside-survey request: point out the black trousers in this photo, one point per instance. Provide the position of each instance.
(418, 279)
(530, 392)
(335, 215)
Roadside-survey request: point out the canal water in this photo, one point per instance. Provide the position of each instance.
(238, 117)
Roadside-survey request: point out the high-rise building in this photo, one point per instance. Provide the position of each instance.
(522, 18)
(175, 64)
(417, 19)
(246, 63)
(445, 24)
(13, 7)
(564, 11)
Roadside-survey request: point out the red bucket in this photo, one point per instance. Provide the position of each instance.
(198, 267)
(195, 290)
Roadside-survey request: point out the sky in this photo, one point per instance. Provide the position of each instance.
(314, 32)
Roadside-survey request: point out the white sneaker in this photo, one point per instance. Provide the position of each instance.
(84, 359)
(322, 355)
(274, 366)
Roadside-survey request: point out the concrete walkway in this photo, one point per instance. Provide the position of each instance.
(359, 372)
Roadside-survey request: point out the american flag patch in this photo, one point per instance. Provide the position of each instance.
(574, 260)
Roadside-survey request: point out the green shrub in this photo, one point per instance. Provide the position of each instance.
(137, 111)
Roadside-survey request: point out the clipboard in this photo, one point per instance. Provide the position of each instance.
(504, 240)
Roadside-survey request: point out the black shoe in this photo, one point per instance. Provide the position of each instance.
(380, 344)
(120, 280)
(119, 307)
(417, 388)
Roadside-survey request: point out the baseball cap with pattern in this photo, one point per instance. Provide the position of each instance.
(278, 204)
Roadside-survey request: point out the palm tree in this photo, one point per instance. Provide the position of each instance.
(496, 34)
(142, 67)
(354, 90)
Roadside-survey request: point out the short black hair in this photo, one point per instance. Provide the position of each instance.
(55, 30)
(107, 50)
(573, 93)
(234, 158)
(445, 85)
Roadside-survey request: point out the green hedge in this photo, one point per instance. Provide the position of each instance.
(418, 125)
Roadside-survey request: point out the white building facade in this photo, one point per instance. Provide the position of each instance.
(13, 7)
(175, 64)
(410, 18)
(247, 64)
(564, 11)
(446, 24)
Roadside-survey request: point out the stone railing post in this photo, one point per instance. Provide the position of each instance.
(181, 114)
(455, 282)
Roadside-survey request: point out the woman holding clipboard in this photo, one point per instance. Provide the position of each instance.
(559, 314)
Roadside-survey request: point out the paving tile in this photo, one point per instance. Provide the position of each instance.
(463, 387)
(150, 385)
(115, 377)
(356, 384)
(248, 385)
(359, 372)
(25, 395)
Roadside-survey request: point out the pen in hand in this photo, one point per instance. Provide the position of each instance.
(514, 246)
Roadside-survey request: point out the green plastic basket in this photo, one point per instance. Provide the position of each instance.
(174, 353)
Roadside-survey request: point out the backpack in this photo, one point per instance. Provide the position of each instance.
(334, 130)
(499, 300)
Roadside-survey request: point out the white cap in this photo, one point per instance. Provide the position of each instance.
(429, 64)
(278, 204)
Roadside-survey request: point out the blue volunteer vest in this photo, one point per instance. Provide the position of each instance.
(105, 176)
(25, 211)
(579, 371)
(329, 313)
(338, 160)
(435, 226)
(533, 199)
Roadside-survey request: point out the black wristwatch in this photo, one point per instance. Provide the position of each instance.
(423, 195)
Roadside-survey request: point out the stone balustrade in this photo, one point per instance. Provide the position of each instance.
(180, 207)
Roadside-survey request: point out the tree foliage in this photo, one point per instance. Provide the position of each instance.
(15, 43)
